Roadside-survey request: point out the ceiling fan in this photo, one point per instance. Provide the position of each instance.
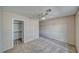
(44, 14)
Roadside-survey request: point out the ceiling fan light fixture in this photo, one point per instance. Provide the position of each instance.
(49, 10)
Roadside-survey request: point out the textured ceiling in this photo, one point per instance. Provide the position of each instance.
(34, 11)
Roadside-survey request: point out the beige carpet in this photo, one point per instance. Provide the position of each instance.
(42, 45)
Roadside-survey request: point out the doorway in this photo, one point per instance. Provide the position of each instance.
(18, 32)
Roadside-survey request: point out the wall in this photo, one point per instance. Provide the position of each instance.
(61, 29)
(77, 31)
(0, 29)
(30, 29)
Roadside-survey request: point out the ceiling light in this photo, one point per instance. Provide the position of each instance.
(43, 18)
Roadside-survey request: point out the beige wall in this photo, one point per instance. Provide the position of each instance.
(77, 31)
(1, 45)
(30, 29)
(61, 29)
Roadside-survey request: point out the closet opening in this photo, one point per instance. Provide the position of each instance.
(18, 32)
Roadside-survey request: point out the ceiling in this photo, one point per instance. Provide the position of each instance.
(35, 11)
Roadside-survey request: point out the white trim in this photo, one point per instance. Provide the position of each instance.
(12, 34)
(13, 30)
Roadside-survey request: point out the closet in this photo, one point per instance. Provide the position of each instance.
(18, 31)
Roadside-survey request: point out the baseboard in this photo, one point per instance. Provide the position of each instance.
(59, 41)
(4, 51)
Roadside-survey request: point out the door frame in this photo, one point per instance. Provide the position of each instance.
(13, 30)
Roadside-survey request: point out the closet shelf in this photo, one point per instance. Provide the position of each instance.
(18, 31)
